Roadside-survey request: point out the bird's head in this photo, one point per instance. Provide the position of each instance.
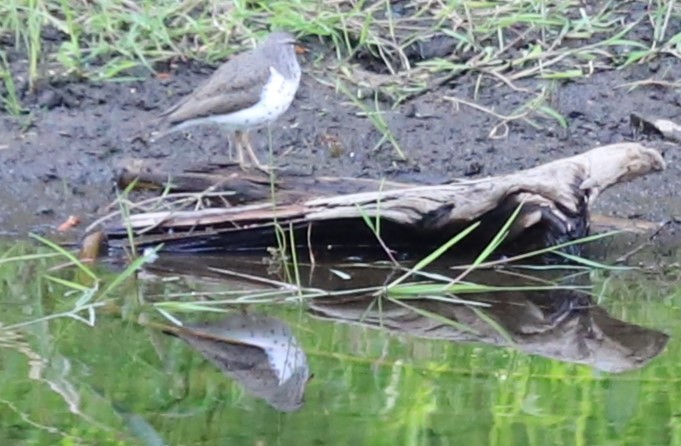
(279, 38)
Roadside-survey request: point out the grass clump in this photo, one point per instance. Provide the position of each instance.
(9, 100)
(507, 39)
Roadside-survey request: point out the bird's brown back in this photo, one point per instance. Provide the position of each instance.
(234, 86)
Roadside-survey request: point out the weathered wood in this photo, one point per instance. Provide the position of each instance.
(245, 186)
(556, 198)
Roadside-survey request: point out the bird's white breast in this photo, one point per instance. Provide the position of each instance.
(275, 99)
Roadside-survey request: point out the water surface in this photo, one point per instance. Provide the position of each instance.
(605, 372)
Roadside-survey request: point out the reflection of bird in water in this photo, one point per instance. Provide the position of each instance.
(249, 91)
(258, 351)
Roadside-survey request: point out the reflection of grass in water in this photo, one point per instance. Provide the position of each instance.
(369, 387)
(90, 290)
(411, 400)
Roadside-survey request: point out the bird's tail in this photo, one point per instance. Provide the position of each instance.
(154, 130)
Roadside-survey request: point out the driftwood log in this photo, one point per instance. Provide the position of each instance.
(220, 209)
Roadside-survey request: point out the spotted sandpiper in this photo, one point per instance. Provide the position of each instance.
(251, 90)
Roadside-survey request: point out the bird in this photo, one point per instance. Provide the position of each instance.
(250, 90)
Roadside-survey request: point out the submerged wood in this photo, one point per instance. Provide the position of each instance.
(246, 209)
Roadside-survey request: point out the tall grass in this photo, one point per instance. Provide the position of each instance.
(504, 42)
(509, 40)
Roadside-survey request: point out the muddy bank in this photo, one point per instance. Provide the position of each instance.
(63, 161)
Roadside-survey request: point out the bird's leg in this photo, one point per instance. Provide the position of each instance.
(244, 141)
(239, 143)
(251, 152)
(231, 141)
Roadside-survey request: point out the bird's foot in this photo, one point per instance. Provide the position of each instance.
(264, 168)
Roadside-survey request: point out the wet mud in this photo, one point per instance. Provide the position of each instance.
(61, 159)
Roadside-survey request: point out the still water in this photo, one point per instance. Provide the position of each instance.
(507, 368)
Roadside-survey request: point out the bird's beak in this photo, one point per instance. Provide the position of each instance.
(300, 49)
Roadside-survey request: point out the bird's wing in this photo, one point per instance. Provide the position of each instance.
(236, 85)
(215, 104)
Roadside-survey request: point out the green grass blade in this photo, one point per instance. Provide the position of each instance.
(435, 254)
(74, 260)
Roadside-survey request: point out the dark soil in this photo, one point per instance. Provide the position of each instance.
(64, 162)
